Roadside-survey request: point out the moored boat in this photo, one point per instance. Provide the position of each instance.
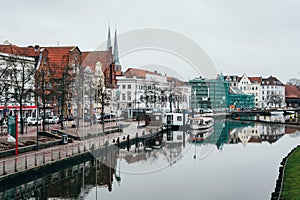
(200, 135)
(200, 123)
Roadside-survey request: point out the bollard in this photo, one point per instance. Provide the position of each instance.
(66, 151)
(16, 160)
(128, 142)
(43, 157)
(58, 153)
(25, 162)
(35, 161)
(72, 149)
(118, 142)
(51, 155)
(4, 167)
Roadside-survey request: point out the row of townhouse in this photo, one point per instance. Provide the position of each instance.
(50, 75)
(139, 88)
(63, 80)
(268, 92)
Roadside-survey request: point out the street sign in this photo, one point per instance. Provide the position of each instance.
(12, 126)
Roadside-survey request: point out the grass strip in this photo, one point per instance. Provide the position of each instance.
(291, 180)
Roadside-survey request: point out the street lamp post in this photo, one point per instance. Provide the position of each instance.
(138, 113)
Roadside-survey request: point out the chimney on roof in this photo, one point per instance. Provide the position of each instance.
(155, 71)
(36, 47)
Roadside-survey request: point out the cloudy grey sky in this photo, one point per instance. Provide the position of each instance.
(257, 37)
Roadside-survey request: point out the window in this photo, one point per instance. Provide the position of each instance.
(123, 86)
(129, 86)
(179, 118)
(123, 97)
(129, 96)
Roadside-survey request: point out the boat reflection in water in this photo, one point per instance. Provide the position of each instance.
(90, 178)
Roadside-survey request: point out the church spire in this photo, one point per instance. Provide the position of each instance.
(116, 51)
(108, 39)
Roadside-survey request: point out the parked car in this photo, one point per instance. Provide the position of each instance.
(52, 120)
(70, 123)
(34, 121)
(109, 116)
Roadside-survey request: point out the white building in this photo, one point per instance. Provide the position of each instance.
(11, 80)
(251, 85)
(139, 88)
(269, 92)
(272, 93)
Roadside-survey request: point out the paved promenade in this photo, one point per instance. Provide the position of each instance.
(13, 164)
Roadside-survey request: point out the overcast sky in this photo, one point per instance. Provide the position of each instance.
(257, 37)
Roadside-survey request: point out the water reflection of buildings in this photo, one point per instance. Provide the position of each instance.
(233, 132)
(168, 147)
(71, 183)
(256, 133)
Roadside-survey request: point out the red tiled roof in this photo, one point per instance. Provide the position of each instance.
(131, 72)
(90, 58)
(21, 51)
(271, 80)
(59, 59)
(292, 91)
(253, 79)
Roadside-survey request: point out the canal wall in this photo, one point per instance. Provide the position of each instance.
(279, 182)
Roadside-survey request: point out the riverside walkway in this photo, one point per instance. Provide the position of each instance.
(34, 159)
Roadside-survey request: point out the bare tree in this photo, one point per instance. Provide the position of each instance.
(45, 88)
(17, 80)
(294, 81)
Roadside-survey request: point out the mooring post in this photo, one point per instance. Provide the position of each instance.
(128, 141)
(35, 161)
(4, 167)
(43, 157)
(118, 142)
(16, 160)
(25, 162)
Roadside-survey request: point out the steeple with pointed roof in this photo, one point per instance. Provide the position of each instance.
(108, 39)
(116, 51)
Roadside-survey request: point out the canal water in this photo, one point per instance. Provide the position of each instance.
(237, 160)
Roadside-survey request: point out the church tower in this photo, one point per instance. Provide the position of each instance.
(116, 54)
(108, 39)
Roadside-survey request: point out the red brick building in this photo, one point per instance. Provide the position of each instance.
(64, 65)
(292, 96)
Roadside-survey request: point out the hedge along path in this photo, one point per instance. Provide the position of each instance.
(291, 180)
